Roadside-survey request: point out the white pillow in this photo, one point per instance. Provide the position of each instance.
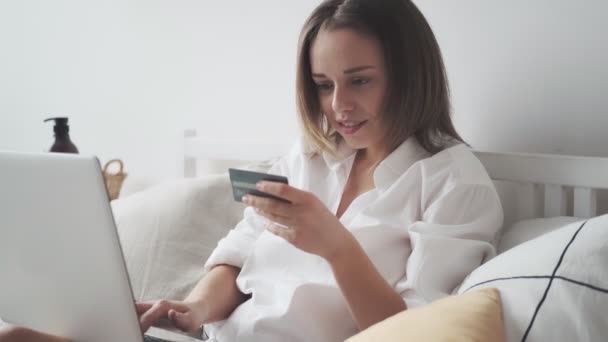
(555, 285)
(168, 231)
(526, 230)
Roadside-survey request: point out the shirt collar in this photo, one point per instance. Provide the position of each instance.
(391, 168)
(397, 163)
(344, 155)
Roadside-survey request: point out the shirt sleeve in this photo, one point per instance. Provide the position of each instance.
(236, 246)
(453, 238)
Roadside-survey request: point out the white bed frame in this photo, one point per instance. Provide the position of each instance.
(529, 185)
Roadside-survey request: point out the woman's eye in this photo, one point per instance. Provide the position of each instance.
(324, 86)
(360, 81)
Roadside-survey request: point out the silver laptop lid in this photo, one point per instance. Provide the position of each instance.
(61, 265)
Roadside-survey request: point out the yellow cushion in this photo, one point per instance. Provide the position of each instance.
(472, 316)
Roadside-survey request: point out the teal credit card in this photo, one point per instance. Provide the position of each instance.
(244, 182)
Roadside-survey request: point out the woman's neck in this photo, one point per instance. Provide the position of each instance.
(372, 155)
(368, 159)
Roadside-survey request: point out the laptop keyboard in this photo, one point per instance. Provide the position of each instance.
(148, 338)
(179, 337)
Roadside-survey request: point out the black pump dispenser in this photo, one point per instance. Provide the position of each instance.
(62, 143)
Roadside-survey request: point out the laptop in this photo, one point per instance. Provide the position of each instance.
(61, 265)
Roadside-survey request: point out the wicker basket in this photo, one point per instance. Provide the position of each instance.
(114, 180)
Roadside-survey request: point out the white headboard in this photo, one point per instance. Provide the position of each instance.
(543, 185)
(529, 185)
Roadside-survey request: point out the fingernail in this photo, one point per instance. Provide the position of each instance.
(245, 199)
(259, 185)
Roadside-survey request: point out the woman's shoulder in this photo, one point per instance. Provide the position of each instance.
(299, 157)
(300, 151)
(456, 162)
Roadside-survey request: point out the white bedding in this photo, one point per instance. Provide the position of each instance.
(526, 230)
(554, 287)
(574, 310)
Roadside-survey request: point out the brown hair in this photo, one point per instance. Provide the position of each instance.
(417, 102)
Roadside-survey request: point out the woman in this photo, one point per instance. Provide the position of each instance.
(388, 209)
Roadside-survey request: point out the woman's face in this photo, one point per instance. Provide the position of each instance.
(349, 72)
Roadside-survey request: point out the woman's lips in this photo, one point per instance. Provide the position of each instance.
(351, 128)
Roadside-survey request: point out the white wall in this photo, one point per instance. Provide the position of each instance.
(131, 75)
(525, 75)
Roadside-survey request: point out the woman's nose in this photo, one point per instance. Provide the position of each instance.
(342, 101)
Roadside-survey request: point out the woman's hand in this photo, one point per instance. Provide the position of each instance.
(184, 316)
(19, 334)
(305, 222)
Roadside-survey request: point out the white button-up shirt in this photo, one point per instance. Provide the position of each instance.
(427, 224)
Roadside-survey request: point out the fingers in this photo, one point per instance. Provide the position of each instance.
(286, 233)
(141, 308)
(151, 316)
(280, 190)
(268, 205)
(183, 321)
(285, 221)
(159, 310)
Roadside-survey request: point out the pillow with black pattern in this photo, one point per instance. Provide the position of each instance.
(555, 287)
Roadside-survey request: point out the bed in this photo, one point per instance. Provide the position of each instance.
(530, 185)
(552, 266)
(551, 270)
